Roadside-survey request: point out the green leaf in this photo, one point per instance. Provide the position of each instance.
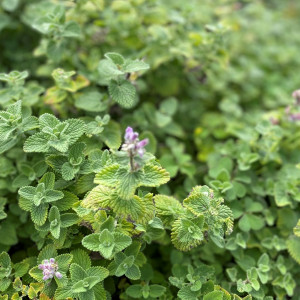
(48, 179)
(108, 175)
(91, 101)
(134, 66)
(27, 192)
(134, 291)
(36, 273)
(68, 220)
(281, 196)
(128, 182)
(10, 5)
(21, 268)
(67, 201)
(121, 241)
(185, 293)
(39, 214)
(106, 243)
(133, 273)
(63, 261)
(154, 176)
(62, 293)
(81, 258)
(92, 241)
(293, 245)
(123, 92)
(116, 58)
(168, 208)
(5, 265)
(215, 295)
(4, 284)
(52, 196)
(107, 71)
(48, 252)
(157, 290)
(111, 135)
(36, 143)
(99, 272)
(68, 171)
(99, 291)
(71, 29)
(75, 130)
(8, 235)
(77, 272)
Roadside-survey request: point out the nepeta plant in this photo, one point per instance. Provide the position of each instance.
(146, 153)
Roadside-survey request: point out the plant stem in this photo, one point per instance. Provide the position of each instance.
(132, 169)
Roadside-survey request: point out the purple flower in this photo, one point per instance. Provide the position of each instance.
(132, 143)
(294, 117)
(130, 135)
(50, 269)
(296, 95)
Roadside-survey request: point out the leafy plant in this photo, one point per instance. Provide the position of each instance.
(149, 150)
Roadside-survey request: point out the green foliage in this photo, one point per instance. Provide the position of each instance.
(203, 203)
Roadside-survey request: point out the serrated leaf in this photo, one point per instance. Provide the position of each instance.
(123, 92)
(111, 135)
(121, 241)
(77, 272)
(154, 176)
(107, 71)
(68, 172)
(67, 201)
(134, 66)
(36, 143)
(293, 246)
(215, 295)
(68, 220)
(99, 272)
(91, 241)
(156, 290)
(81, 258)
(47, 252)
(36, 273)
(133, 273)
(63, 293)
(185, 293)
(63, 261)
(134, 291)
(116, 58)
(21, 269)
(39, 214)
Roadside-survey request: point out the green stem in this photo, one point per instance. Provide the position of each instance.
(132, 169)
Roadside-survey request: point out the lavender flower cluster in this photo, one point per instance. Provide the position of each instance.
(132, 143)
(50, 269)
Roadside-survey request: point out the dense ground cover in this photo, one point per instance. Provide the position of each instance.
(149, 149)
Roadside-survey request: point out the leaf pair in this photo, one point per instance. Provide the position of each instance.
(13, 123)
(37, 199)
(84, 284)
(107, 243)
(57, 222)
(112, 71)
(70, 165)
(127, 263)
(54, 134)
